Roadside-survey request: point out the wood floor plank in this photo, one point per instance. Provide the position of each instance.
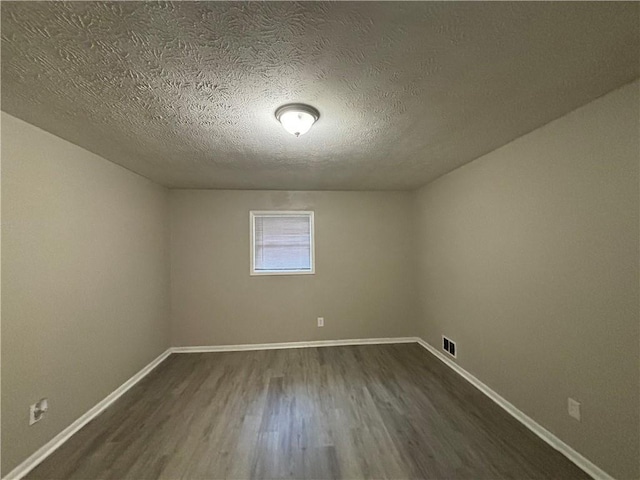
(375, 411)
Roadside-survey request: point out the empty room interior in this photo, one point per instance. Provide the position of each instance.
(348, 240)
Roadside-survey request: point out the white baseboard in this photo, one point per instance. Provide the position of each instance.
(583, 463)
(47, 449)
(279, 346)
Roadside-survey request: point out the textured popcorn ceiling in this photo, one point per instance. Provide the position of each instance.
(184, 93)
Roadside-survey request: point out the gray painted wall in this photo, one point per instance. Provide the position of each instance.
(85, 281)
(363, 285)
(528, 257)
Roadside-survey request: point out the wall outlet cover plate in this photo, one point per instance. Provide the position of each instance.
(574, 408)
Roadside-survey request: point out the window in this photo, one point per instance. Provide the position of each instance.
(282, 243)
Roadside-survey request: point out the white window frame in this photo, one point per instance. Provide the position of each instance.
(281, 213)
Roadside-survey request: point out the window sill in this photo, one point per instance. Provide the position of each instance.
(263, 273)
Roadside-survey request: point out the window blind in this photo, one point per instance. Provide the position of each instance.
(282, 242)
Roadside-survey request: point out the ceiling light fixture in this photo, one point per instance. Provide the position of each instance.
(297, 118)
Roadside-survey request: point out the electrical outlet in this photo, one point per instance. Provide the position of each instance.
(37, 410)
(321, 321)
(574, 408)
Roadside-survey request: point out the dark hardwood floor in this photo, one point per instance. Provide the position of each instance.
(377, 411)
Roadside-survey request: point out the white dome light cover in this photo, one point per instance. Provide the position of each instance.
(297, 118)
